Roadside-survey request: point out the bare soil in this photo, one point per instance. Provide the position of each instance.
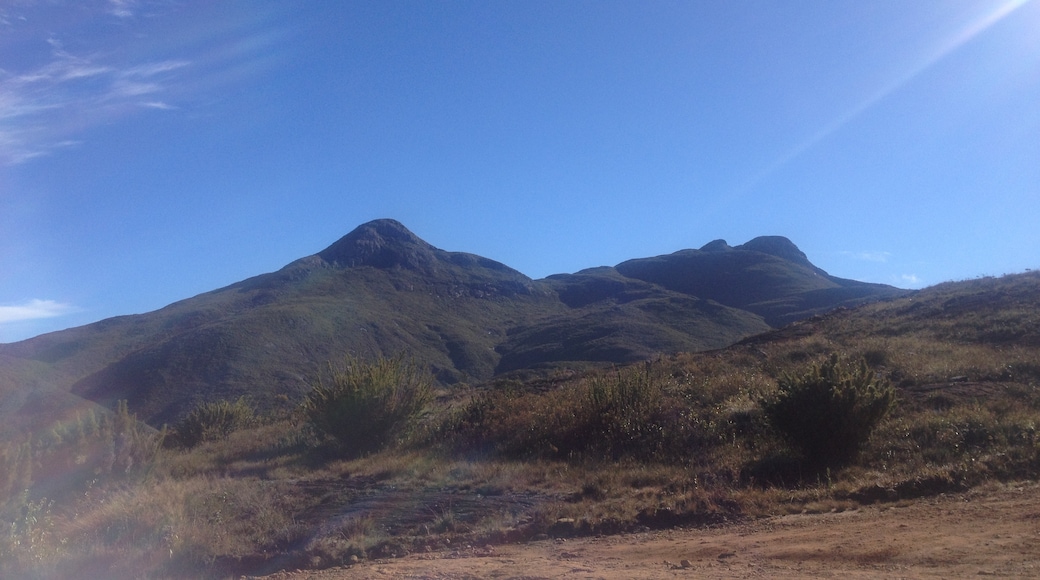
(992, 531)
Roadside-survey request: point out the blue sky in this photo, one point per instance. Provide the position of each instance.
(154, 150)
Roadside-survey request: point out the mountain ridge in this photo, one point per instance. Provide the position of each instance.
(381, 290)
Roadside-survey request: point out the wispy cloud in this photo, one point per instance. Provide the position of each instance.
(51, 91)
(154, 68)
(869, 256)
(33, 310)
(158, 105)
(40, 107)
(121, 8)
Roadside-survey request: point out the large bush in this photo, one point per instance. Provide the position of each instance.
(362, 405)
(829, 411)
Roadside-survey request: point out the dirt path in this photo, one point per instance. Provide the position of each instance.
(983, 533)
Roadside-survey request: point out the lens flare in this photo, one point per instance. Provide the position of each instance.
(944, 49)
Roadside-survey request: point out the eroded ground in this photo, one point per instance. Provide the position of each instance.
(989, 532)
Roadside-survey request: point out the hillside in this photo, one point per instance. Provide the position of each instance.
(381, 290)
(679, 444)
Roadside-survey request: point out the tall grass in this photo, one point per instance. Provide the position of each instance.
(55, 468)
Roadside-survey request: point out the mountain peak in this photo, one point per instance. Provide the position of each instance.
(716, 246)
(383, 243)
(778, 246)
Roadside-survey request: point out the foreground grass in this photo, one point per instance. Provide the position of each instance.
(680, 441)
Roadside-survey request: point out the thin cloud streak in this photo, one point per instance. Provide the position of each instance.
(34, 104)
(33, 310)
(155, 68)
(121, 8)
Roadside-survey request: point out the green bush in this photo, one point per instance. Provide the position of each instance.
(362, 405)
(829, 412)
(212, 421)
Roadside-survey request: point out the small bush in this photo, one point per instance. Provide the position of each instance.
(213, 420)
(829, 412)
(363, 404)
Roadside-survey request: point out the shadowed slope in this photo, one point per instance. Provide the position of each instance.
(617, 319)
(769, 276)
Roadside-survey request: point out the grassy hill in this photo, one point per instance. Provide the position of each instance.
(677, 441)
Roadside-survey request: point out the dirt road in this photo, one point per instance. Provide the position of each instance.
(993, 532)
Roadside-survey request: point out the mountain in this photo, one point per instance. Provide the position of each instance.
(381, 290)
(768, 276)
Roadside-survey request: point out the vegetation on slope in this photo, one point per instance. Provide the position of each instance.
(682, 440)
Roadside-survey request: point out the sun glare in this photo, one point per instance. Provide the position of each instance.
(973, 29)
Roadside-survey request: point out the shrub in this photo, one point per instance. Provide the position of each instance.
(624, 414)
(361, 405)
(213, 420)
(829, 412)
(623, 417)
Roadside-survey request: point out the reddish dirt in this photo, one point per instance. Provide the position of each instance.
(989, 532)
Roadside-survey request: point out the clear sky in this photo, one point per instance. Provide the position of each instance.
(154, 150)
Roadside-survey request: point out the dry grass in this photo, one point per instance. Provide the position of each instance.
(681, 441)
(174, 527)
